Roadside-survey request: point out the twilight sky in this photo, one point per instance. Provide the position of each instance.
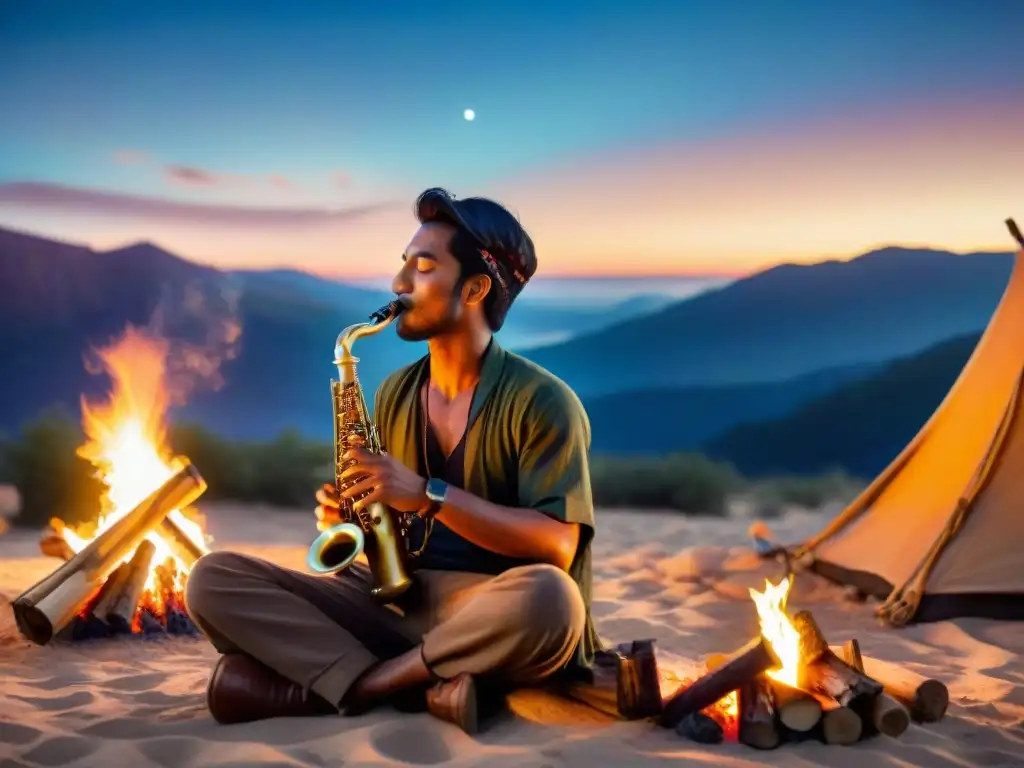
(686, 137)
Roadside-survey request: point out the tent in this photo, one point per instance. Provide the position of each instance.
(939, 533)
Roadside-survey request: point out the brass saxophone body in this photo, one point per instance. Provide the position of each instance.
(372, 529)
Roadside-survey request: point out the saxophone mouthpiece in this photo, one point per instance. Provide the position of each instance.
(391, 310)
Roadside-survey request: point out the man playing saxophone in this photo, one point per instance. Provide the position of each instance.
(490, 454)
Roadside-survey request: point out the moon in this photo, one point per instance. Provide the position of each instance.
(469, 115)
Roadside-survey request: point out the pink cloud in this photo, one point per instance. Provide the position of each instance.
(194, 176)
(341, 179)
(191, 176)
(93, 202)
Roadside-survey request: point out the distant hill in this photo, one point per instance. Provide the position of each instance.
(789, 321)
(860, 427)
(58, 300)
(531, 323)
(751, 351)
(660, 420)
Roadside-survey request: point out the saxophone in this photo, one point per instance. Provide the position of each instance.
(374, 529)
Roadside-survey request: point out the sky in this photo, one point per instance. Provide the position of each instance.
(641, 138)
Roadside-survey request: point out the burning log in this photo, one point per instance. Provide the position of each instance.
(45, 608)
(888, 716)
(183, 547)
(824, 673)
(121, 612)
(745, 664)
(798, 711)
(926, 699)
(757, 714)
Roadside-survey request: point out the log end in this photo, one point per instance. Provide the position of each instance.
(760, 735)
(931, 701)
(893, 721)
(842, 726)
(801, 715)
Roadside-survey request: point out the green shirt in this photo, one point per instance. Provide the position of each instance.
(527, 446)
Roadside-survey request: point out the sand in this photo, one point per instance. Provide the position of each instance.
(140, 703)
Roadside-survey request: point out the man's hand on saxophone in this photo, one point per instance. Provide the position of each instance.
(385, 479)
(328, 512)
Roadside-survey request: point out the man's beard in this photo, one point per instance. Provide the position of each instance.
(444, 325)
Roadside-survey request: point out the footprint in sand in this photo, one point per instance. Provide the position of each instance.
(143, 682)
(172, 751)
(119, 728)
(60, 682)
(410, 742)
(13, 733)
(59, 703)
(61, 750)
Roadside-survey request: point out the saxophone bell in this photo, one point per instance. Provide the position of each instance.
(336, 549)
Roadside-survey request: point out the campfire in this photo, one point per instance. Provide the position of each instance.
(789, 684)
(126, 572)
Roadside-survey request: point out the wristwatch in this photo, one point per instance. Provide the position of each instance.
(436, 491)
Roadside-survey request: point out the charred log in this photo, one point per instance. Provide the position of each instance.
(701, 728)
(822, 672)
(638, 692)
(745, 664)
(757, 714)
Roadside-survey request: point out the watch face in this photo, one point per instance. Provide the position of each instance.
(436, 489)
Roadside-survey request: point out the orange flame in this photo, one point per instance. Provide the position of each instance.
(126, 442)
(778, 630)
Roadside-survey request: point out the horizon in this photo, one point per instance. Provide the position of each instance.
(382, 279)
(683, 144)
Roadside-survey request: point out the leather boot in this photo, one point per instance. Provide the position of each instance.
(455, 701)
(242, 689)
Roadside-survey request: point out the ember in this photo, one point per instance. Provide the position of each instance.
(129, 570)
(788, 684)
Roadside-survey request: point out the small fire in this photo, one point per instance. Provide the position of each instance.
(777, 629)
(126, 442)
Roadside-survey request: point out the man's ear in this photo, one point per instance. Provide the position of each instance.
(476, 289)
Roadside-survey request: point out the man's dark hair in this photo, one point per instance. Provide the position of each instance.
(488, 240)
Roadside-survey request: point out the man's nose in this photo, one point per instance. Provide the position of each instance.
(401, 283)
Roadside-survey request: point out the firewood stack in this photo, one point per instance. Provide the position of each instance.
(841, 696)
(112, 586)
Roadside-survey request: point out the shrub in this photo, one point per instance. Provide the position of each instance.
(685, 482)
(773, 495)
(51, 479)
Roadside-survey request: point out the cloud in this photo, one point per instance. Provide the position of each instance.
(55, 198)
(196, 177)
(192, 176)
(130, 157)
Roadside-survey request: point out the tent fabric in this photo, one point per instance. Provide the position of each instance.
(942, 524)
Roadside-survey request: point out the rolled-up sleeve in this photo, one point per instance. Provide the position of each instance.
(554, 464)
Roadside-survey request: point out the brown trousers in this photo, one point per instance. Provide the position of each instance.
(323, 632)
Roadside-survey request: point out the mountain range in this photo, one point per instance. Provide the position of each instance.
(721, 371)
